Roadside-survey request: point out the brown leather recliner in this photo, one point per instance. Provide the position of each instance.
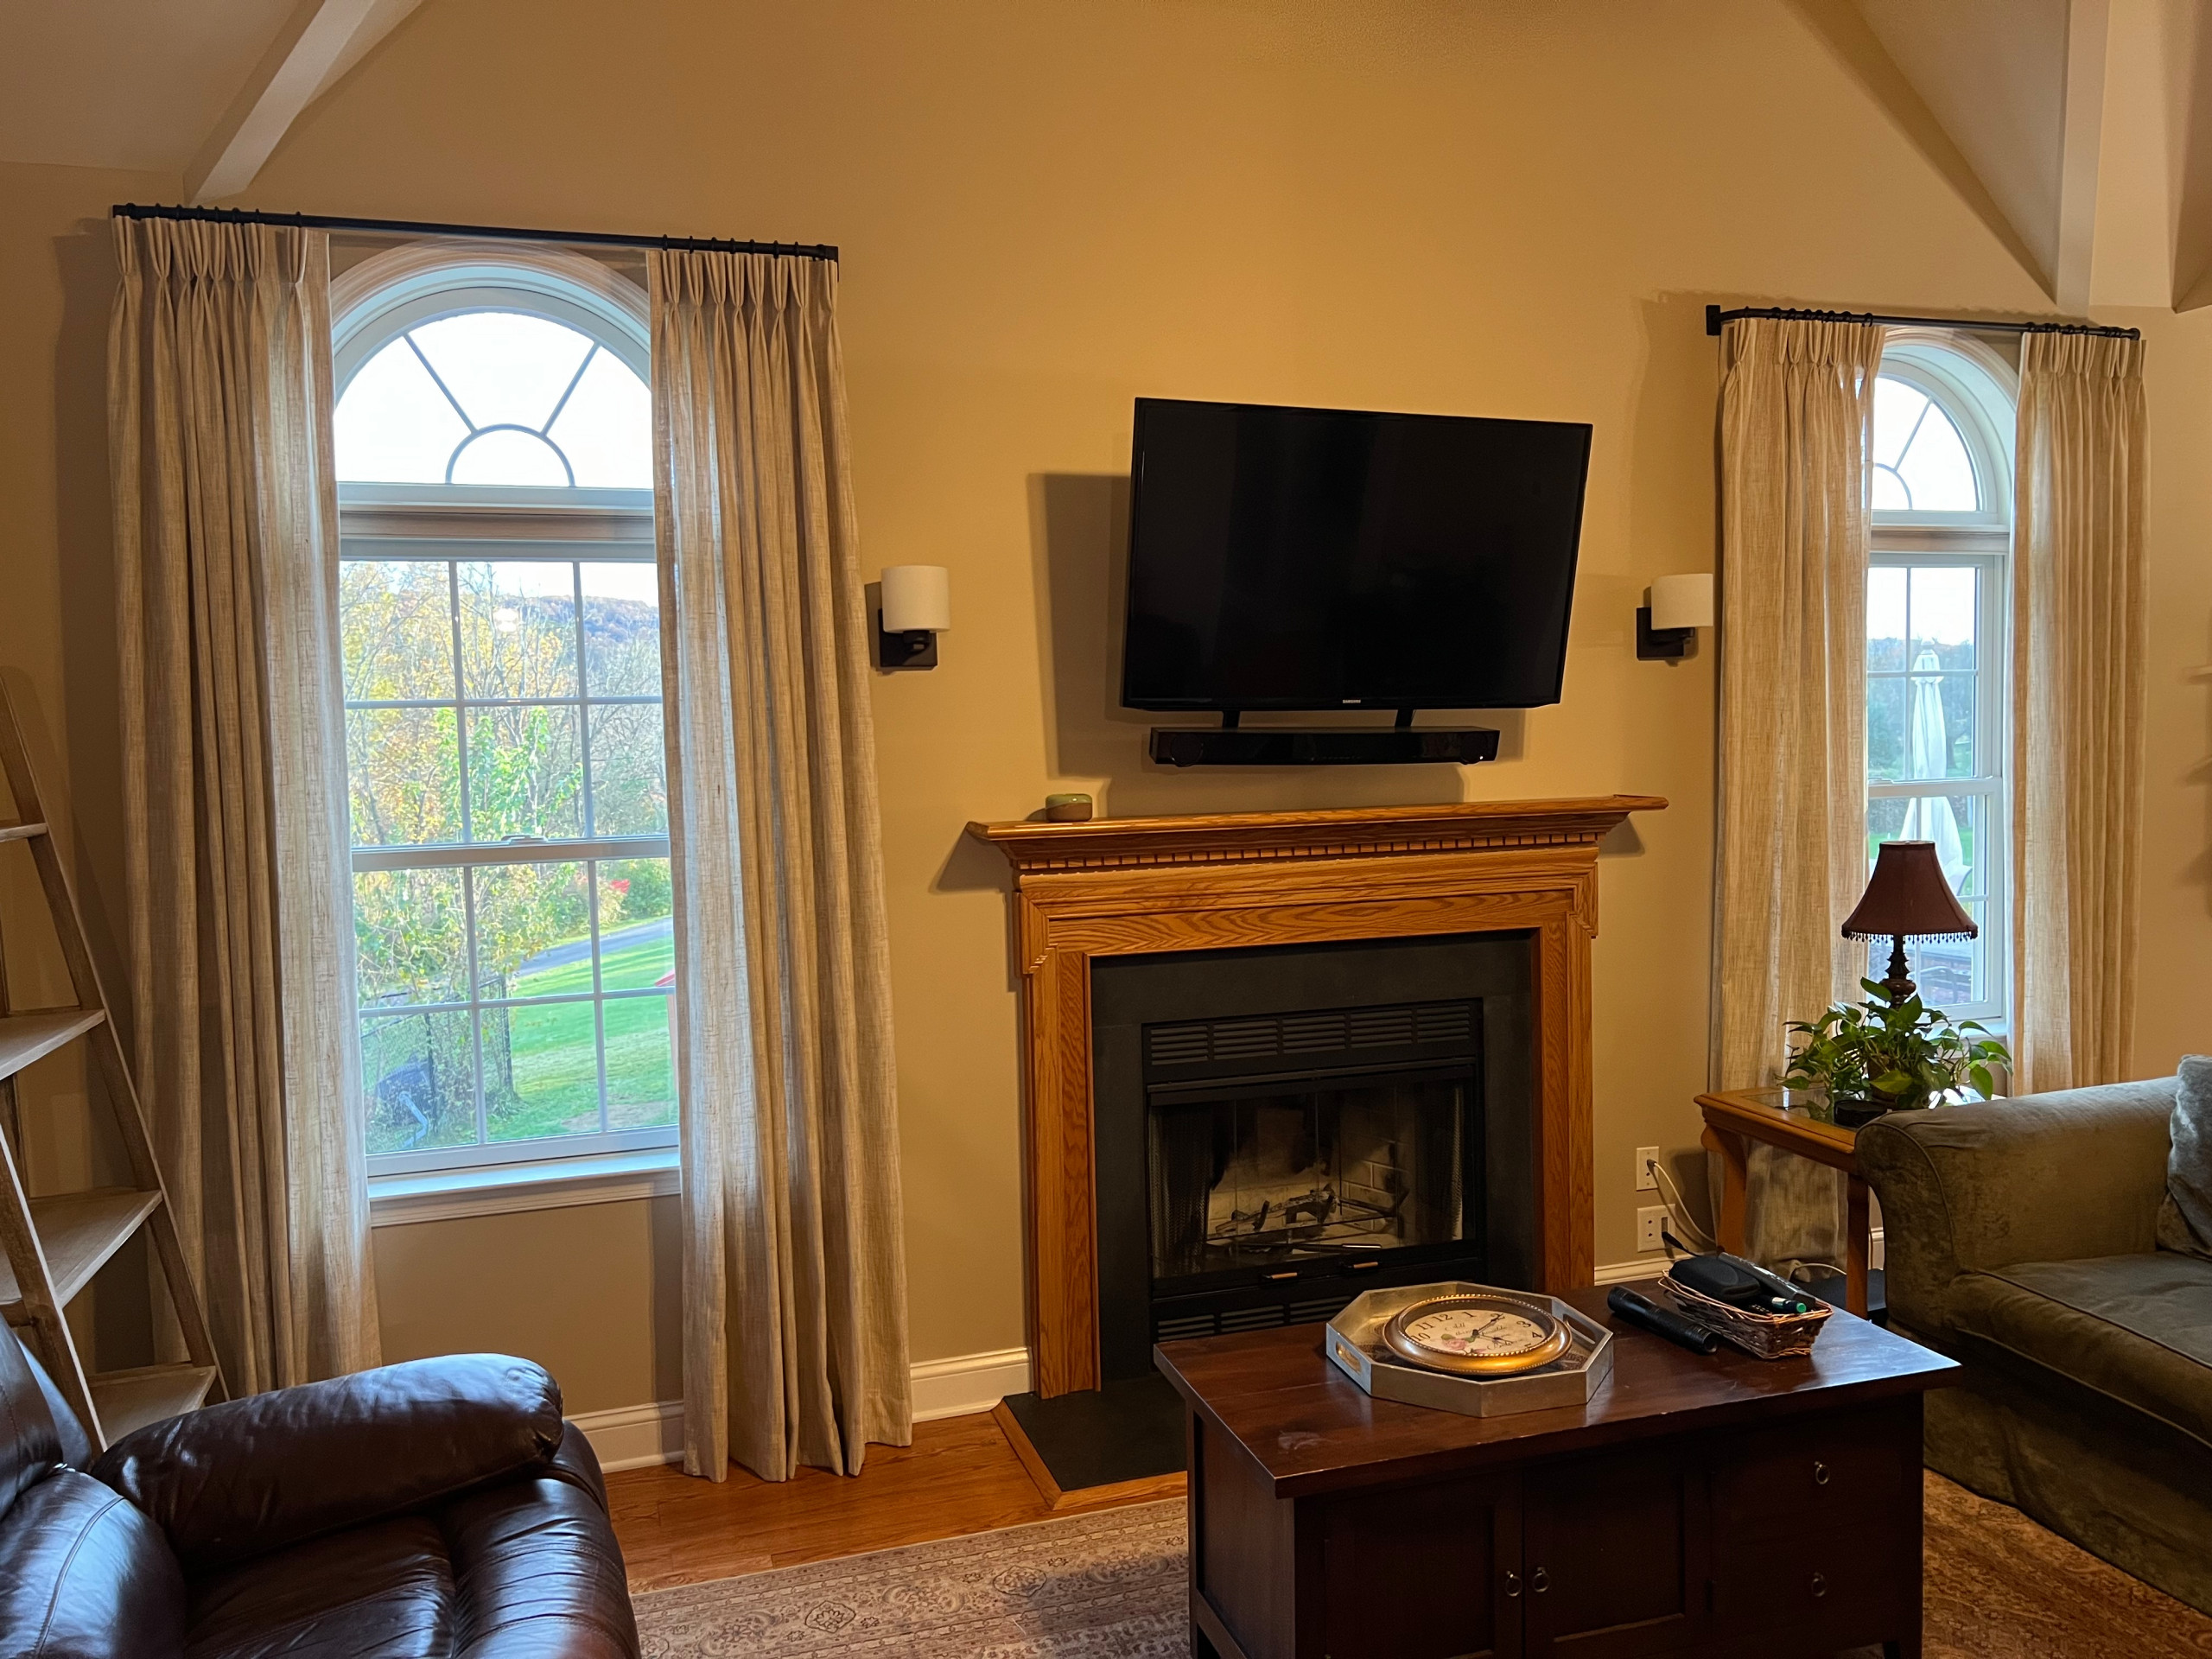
(438, 1510)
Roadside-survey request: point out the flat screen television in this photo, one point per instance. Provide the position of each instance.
(1321, 558)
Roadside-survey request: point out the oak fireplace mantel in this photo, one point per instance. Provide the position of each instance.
(1129, 885)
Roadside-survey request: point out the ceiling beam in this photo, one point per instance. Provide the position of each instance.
(320, 39)
(2189, 45)
(1845, 29)
(2088, 34)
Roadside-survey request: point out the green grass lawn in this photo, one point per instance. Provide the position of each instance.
(556, 1069)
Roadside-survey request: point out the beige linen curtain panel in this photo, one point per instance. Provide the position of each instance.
(2078, 659)
(234, 784)
(1796, 412)
(794, 1276)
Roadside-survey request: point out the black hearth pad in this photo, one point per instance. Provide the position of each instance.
(1130, 1430)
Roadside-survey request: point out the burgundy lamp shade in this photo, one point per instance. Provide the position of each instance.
(1907, 896)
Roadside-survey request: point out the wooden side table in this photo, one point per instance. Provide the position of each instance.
(1735, 1119)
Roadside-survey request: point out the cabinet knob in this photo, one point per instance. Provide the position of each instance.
(1820, 1474)
(1512, 1587)
(1539, 1582)
(1820, 1585)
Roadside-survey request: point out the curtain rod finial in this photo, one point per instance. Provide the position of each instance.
(1712, 320)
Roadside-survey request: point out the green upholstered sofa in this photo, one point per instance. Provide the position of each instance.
(2022, 1241)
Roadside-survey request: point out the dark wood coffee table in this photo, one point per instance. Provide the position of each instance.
(1727, 1506)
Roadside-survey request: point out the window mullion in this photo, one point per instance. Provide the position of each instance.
(460, 694)
(599, 989)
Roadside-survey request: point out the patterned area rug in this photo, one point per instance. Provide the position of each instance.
(1110, 1587)
(1095, 1586)
(1997, 1586)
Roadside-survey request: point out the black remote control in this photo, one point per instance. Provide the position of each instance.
(1661, 1321)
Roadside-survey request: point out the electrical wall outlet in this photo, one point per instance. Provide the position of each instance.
(1645, 1180)
(1649, 1221)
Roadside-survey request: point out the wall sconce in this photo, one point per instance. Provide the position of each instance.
(1679, 607)
(917, 607)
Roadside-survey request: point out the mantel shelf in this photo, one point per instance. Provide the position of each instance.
(1344, 832)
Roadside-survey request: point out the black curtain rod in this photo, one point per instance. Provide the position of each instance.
(1714, 316)
(500, 232)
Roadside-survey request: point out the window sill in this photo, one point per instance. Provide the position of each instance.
(499, 1189)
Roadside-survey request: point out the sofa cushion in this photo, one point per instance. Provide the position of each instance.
(2185, 1220)
(2137, 1329)
(83, 1575)
(538, 1572)
(386, 1590)
(519, 1570)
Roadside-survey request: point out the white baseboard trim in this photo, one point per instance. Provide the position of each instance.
(968, 1382)
(635, 1437)
(638, 1437)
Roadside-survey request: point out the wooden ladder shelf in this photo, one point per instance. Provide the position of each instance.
(50, 1247)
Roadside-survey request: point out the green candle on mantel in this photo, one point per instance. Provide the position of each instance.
(1067, 809)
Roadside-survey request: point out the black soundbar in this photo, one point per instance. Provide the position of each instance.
(1261, 746)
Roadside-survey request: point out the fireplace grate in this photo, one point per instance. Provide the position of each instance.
(1218, 1323)
(1326, 1031)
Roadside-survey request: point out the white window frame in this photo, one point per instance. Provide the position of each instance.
(1977, 389)
(373, 303)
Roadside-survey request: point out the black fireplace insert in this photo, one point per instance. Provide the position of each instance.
(1265, 1154)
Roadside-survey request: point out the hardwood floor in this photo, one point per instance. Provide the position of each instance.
(959, 1476)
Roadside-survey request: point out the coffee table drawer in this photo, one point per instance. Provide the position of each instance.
(1827, 1472)
(1827, 1591)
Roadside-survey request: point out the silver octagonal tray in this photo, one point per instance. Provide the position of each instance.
(1355, 1346)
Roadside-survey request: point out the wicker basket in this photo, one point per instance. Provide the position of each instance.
(1763, 1336)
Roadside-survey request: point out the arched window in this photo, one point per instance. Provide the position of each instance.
(499, 607)
(1937, 611)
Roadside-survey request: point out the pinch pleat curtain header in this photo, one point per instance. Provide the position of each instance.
(224, 499)
(794, 1275)
(1796, 418)
(2079, 639)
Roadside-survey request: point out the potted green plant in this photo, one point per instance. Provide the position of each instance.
(1890, 1057)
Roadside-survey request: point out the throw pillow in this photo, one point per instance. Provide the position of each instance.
(2185, 1218)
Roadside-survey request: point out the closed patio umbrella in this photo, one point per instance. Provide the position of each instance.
(1930, 818)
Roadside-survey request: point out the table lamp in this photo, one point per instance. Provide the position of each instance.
(1907, 898)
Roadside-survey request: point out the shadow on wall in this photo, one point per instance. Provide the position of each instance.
(1079, 530)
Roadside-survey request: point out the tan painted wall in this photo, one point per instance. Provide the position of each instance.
(576, 1289)
(1046, 210)
(2173, 1015)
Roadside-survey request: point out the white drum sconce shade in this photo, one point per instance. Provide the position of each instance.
(915, 606)
(1678, 608)
(917, 596)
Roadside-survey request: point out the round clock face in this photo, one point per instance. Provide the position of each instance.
(1476, 1335)
(1492, 1333)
